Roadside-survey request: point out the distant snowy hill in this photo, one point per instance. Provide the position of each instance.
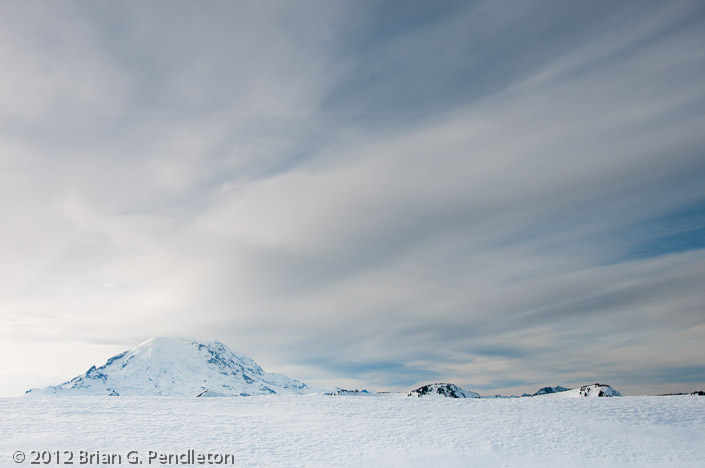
(695, 393)
(448, 390)
(598, 390)
(166, 366)
(442, 390)
(589, 391)
(545, 390)
(356, 392)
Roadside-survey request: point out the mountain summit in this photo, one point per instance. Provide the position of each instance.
(596, 390)
(169, 367)
(441, 390)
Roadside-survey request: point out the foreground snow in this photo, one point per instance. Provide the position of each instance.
(326, 431)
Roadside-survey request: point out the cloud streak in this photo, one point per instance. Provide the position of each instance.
(359, 198)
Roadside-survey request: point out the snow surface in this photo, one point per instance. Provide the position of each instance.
(328, 431)
(167, 366)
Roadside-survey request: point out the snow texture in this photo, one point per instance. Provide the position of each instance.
(323, 431)
(170, 367)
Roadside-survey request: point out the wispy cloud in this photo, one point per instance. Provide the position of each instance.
(501, 197)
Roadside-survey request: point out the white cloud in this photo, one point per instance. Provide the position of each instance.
(473, 244)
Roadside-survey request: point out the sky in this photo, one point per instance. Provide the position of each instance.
(371, 194)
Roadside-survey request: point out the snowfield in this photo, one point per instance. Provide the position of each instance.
(349, 431)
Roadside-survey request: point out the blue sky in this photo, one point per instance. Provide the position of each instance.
(504, 195)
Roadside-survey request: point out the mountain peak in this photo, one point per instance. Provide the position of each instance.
(590, 391)
(546, 390)
(169, 366)
(598, 390)
(447, 390)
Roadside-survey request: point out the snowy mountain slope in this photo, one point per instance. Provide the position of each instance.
(586, 391)
(356, 392)
(442, 390)
(545, 390)
(166, 366)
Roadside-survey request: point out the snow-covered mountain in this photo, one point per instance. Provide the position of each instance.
(166, 366)
(546, 390)
(442, 390)
(448, 390)
(356, 392)
(598, 390)
(590, 391)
